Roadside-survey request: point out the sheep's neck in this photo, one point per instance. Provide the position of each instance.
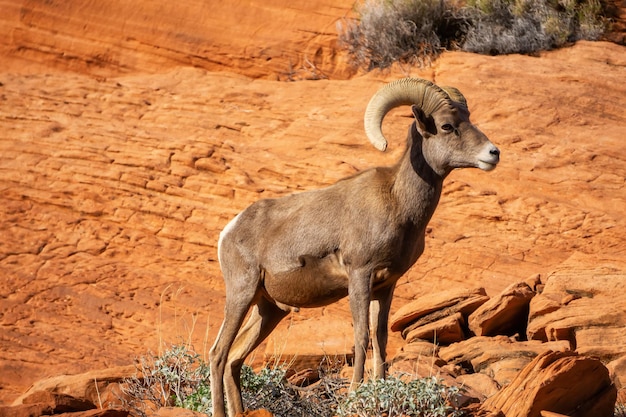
(417, 187)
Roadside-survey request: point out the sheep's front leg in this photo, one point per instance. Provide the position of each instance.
(379, 322)
(359, 291)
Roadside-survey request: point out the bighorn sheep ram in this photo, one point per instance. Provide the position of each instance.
(355, 238)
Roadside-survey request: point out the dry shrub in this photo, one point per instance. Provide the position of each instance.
(178, 377)
(406, 31)
(527, 26)
(416, 31)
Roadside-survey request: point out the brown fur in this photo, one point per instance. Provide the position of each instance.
(355, 238)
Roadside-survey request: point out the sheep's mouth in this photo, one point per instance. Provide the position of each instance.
(487, 166)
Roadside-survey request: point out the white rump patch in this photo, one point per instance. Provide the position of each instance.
(223, 233)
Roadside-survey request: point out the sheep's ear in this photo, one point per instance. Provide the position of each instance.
(425, 124)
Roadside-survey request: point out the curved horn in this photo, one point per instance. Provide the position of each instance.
(455, 95)
(407, 91)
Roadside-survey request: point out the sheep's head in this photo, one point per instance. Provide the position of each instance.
(450, 140)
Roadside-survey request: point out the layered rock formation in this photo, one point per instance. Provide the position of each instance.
(558, 382)
(112, 37)
(565, 373)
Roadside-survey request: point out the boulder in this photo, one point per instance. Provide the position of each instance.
(417, 358)
(61, 403)
(559, 382)
(505, 314)
(42, 409)
(27, 410)
(618, 371)
(419, 347)
(606, 342)
(479, 383)
(500, 357)
(584, 302)
(447, 302)
(95, 389)
(443, 331)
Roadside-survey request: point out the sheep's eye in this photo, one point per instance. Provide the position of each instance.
(447, 128)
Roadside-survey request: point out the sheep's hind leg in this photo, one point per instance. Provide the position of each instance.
(379, 323)
(264, 317)
(239, 298)
(233, 318)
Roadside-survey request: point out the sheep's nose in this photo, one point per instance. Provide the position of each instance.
(494, 151)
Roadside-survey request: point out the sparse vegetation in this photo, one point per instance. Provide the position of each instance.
(179, 377)
(417, 31)
(526, 26)
(406, 31)
(393, 397)
(270, 390)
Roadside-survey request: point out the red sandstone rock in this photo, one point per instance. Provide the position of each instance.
(583, 302)
(27, 410)
(451, 301)
(505, 314)
(95, 389)
(112, 37)
(418, 358)
(101, 413)
(255, 413)
(41, 410)
(618, 371)
(329, 342)
(561, 382)
(498, 357)
(444, 331)
(176, 412)
(480, 383)
(474, 410)
(544, 413)
(61, 403)
(419, 347)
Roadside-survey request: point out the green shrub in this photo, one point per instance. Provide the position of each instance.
(178, 377)
(270, 390)
(250, 381)
(425, 397)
